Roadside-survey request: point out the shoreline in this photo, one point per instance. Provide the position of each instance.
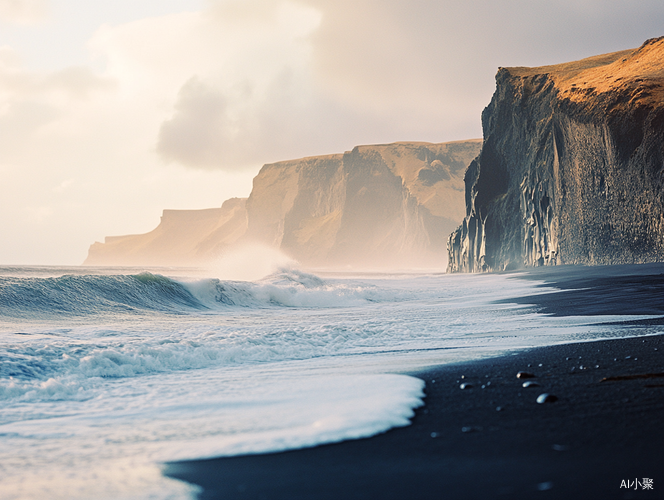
(459, 445)
(494, 440)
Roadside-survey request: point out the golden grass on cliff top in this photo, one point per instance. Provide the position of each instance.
(637, 71)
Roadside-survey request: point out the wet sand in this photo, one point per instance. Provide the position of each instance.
(494, 440)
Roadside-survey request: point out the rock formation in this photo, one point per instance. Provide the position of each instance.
(572, 166)
(183, 237)
(375, 206)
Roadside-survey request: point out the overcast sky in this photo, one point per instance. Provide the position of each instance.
(112, 110)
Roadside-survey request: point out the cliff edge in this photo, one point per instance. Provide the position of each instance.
(571, 170)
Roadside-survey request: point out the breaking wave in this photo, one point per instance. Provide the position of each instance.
(71, 295)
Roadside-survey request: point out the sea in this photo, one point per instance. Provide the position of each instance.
(108, 373)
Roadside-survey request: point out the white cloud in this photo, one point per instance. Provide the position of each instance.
(219, 76)
(31, 101)
(24, 11)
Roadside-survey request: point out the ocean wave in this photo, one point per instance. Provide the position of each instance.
(92, 294)
(285, 288)
(81, 295)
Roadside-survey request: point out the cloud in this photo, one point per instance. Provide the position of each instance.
(200, 128)
(245, 82)
(75, 82)
(273, 89)
(381, 69)
(30, 100)
(24, 11)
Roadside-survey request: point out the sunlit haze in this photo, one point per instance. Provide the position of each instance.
(111, 111)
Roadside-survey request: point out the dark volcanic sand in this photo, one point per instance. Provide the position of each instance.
(595, 436)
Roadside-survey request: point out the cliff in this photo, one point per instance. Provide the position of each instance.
(571, 170)
(375, 206)
(183, 237)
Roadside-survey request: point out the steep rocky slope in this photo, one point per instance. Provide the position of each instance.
(572, 166)
(374, 206)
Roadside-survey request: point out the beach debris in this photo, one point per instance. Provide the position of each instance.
(547, 485)
(632, 377)
(560, 447)
(530, 383)
(525, 375)
(466, 385)
(546, 398)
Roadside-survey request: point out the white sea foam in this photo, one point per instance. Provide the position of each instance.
(285, 288)
(249, 262)
(206, 367)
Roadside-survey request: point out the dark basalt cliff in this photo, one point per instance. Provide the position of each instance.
(571, 170)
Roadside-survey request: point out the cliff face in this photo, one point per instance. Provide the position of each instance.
(572, 166)
(374, 206)
(183, 237)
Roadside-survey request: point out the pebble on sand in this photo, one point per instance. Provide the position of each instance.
(546, 398)
(466, 385)
(545, 486)
(524, 375)
(530, 383)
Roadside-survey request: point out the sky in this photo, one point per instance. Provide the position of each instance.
(113, 110)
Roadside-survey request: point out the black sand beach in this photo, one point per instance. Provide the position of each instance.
(602, 438)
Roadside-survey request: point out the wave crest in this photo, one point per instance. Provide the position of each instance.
(92, 294)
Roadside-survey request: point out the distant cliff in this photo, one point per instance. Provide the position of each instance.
(183, 237)
(572, 166)
(384, 205)
(374, 206)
